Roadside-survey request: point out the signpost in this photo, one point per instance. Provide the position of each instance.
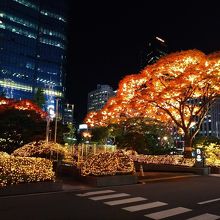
(199, 154)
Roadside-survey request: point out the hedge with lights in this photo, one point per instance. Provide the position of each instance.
(212, 155)
(164, 159)
(104, 164)
(48, 150)
(14, 170)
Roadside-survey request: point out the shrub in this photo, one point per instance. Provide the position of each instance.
(14, 170)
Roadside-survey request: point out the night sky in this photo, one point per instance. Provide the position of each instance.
(106, 38)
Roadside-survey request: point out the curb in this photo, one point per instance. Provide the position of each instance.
(143, 181)
(31, 188)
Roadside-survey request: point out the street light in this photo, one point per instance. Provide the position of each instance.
(48, 118)
(56, 117)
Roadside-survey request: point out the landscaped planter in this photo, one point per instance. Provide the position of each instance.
(173, 168)
(116, 180)
(215, 170)
(29, 188)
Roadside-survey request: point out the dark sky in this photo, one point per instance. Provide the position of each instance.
(106, 37)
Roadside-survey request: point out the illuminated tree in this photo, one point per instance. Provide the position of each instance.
(178, 89)
(20, 122)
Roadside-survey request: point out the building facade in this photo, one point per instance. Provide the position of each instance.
(156, 48)
(99, 97)
(33, 49)
(211, 123)
(68, 114)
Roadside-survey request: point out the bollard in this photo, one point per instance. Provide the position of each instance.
(141, 170)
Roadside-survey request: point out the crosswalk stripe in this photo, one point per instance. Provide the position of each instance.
(125, 201)
(109, 196)
(95, 193)
(167, 213)
(144, 206)
(215, 175)
(205, 217)
(208, 201)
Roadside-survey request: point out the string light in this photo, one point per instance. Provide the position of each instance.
(48, 150)
(108, 164)
(16, 170)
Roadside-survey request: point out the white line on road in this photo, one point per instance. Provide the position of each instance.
(95, 193)
(167, 213)
(208, 201)
(215, 175)
(96, 198)
(205, 217)
(144, 206)
(125, 201)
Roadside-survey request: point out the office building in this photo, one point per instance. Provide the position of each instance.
(99, 97)
(211, 123)
(156, 48)
(68, 114)
(33, 49)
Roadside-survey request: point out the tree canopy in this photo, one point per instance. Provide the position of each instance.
(20, 122)
(178, 89)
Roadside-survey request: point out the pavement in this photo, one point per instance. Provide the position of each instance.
(70, 184)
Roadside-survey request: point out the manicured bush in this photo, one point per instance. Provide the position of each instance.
(14, 170)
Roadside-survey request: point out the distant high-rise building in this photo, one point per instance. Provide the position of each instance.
(156, 48)
(33, 48)
(99, 97)
(68, 114)
(211, 123)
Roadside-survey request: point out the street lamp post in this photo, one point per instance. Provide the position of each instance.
(56, 118)
(47, 129)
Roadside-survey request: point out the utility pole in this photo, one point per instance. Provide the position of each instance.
(56, 118)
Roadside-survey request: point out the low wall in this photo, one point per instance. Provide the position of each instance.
(101, 181)
(173, 168)
(30, 188)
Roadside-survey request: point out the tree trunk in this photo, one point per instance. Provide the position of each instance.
(187, 146)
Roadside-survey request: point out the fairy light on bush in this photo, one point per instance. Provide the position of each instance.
(108, 164)
(16, 170)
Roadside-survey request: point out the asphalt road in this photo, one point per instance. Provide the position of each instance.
(195, 198)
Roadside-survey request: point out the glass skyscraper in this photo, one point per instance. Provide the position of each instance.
(33, 48)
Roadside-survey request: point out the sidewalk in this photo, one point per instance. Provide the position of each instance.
(71, 184)
(162, 176)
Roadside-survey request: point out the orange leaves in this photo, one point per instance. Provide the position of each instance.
(21, 105)
(165, 90)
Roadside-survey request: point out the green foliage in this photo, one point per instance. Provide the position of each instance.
(18, 127)
(100, 134)
(142, 135)
(39, 98)
(70, 136)
(205, 140)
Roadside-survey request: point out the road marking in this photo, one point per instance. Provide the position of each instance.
(168, 213)
(124, 201)
(205, 217)
(96, 198)
(144, 206)
(95, 193)
(208, 201)
(215, 175)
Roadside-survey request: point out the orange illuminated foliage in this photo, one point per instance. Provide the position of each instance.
(21, 105)
(178, 89)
